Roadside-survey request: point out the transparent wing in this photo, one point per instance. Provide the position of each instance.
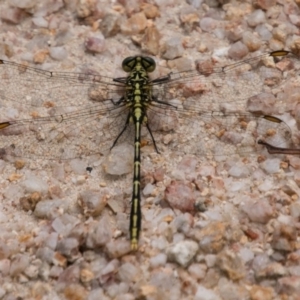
(215, 88)
(218, 134)
(66, 115)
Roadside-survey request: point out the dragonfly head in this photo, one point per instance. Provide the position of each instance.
(146, 62)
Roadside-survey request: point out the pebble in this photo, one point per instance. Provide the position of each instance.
(110, 24)
(256, 18)
(232, 264)
(198, 271)
(128, 272)
(92, 203)
(12, 15)
(264, 32)
(271, 270)
(118, 248)
(50, 209)
(203, 293)
(208, 24)
(263, 104)
(258, 211)
(150, 42)
(182, 252)
(252, 41)
(97, 294)
(237, 51)
(180, 195)
(211, 237)
(33, 184)
(58, 53)
(2, 292)
(95, 44)
(158, 260)
(173, 48)
(120, 160)
(99, 233)
(239, 170)
(262, 293)
(137, 23)
(271, 165)
(289, 285)
(40, 22)
(19, 264)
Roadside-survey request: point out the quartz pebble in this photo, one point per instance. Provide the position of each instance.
(183, 252)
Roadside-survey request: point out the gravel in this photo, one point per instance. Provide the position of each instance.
(212, 228)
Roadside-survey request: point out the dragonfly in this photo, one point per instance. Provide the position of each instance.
(64, 115)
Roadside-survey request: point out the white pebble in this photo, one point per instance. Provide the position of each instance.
(183, 252)
(205, 294)
(58, 53)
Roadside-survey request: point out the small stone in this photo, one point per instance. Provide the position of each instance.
(150, 40)
(99, 233)
(265, 4)
(295, 209)
(95, 44)
(110, 24)
(230, 263)
(58, 53)
(263, 103)
(86, 275)
(59, 260)
(55, 271)
(180, 195)
(271, 165)
(151, 11)
(118, 248)
(212, 237)
(172, 48)
(40, 22)
(19, 264)
(256, 18)
(258, 292)
(252, 41)
(40, 56)
(120, 160)
(182, 252)
(198, 271)
(272, 270)
(14, 177)
(295, 19)
(203, 293)
(50, 208)
(137, 23)
(68, 247)
(29, 203)
(239, 170)
(34, 184)
(258, 211)
(19, 164)
(128, 272)
(208, 24)
(75, 291)
(158, 260)
(92, 202)
(289, 285)
(12, 15)
(237, 51)
(264, 32)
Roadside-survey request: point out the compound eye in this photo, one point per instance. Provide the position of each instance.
(129, 63)
(148, 63)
